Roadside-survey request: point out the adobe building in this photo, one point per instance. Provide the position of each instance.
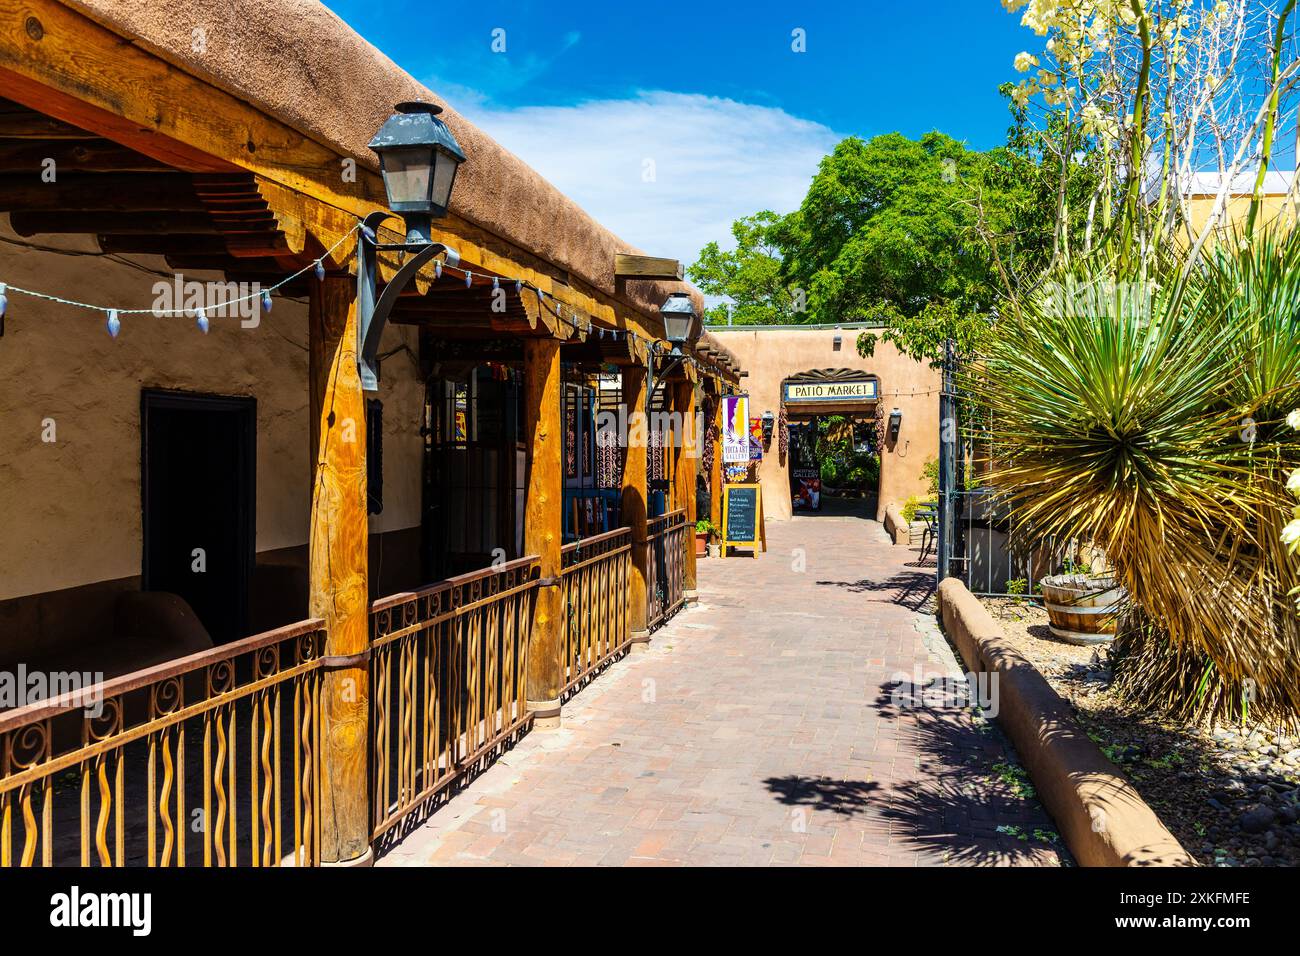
(378, 567)
(813, 370)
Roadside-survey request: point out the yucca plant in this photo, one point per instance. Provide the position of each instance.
(1142, 415)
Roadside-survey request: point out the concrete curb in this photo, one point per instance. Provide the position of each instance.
(1101, 817)
(895, 526)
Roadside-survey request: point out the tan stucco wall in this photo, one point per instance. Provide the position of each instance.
(71, 511)
(772, 355)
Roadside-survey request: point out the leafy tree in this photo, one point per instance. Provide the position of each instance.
(750, 275)
(921, 236)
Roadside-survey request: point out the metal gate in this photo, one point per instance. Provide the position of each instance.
(979, 539)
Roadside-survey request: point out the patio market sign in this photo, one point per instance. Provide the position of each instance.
(863, 390)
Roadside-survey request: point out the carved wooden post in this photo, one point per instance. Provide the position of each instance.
(542, 526)
(634, 500)
(339, 590)
(684, 469)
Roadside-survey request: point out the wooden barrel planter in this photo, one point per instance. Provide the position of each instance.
(1082, 609)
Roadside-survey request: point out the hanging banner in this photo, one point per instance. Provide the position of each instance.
(735, 428)
(756, 439)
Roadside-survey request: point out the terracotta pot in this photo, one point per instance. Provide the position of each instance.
(1082, 608)
(701, 544)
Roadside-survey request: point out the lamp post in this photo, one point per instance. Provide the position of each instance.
(419, 157)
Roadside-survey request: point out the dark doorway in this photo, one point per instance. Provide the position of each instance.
(198, 474)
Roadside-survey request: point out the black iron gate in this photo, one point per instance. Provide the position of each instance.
(979, 540)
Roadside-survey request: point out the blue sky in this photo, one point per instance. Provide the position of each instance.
(668, 120)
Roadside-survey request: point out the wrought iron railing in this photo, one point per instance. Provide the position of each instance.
(594, 579)
(209, 760)
(448, 673)
(991, 555)
(666, 542)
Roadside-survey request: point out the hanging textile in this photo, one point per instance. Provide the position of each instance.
(609, 463)
(655, 466)
(783, 433)
(710, 436)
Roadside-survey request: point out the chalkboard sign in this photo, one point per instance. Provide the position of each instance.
(742, 518)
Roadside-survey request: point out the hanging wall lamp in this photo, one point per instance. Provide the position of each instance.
(419, 157)
(895, 423)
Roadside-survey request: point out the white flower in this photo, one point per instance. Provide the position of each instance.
(1291, 534)
(1293, 482)
(1024, 61)
(1294, 419)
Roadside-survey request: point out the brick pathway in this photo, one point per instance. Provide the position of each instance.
(762, 728)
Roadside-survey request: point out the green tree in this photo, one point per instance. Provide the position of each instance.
(750, 275)
(919, 236)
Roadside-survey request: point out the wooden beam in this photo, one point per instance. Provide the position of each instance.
(99, 192)
(88, 155)
(92, 223)
(20, 123)
(646, 267)
(224, 263)
(153, 245)
(339, 590)
(634, 494)
(543, 518)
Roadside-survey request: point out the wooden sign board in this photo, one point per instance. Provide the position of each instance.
(646, 267)
(742, 518)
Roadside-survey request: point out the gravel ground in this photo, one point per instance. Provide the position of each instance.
(1231, 795)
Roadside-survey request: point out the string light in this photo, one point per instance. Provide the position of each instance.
(318, 268)
(262, 294)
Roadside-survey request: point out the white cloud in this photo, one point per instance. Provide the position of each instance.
(713, 160)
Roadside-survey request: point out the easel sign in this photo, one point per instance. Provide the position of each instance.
(742, 518)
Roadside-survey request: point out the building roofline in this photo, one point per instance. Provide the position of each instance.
(714, 329)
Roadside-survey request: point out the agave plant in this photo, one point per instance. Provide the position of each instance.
(1144, 416)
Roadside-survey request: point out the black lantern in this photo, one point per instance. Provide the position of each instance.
(678, 313)
(419, 157)
(769, 421)
(895, 423)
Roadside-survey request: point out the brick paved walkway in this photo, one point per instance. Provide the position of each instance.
(762, 728)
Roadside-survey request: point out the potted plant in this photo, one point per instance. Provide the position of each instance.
(704, 530)
(1082, 607)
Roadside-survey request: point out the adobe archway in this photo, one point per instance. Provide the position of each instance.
(775, 355)
(848, 401)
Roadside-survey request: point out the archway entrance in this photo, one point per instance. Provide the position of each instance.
(835, 431)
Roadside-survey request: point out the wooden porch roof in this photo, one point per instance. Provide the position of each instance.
(248, 142)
